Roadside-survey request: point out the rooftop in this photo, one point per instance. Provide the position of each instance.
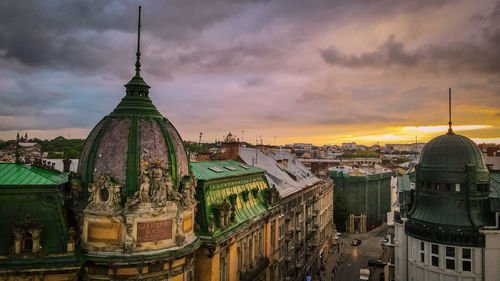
(210, 170)
(25, 175)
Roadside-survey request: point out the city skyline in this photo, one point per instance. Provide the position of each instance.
(319, 73)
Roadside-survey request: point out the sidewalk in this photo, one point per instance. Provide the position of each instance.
(334, 260)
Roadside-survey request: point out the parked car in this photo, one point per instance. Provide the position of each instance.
(376, 263)
(355, 242)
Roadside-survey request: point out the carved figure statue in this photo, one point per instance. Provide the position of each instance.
(211, 223)
(156, 186)
(187, 194)
(93, 189)
(179, 237)
(144, 187)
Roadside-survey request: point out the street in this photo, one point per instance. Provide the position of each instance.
(355, 257)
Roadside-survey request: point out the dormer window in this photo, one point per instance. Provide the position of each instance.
(26, 231)
(27, 243)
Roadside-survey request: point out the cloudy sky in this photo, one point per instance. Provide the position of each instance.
(291, 71)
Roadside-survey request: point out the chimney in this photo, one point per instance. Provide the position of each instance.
(66, 165)
(230, 150)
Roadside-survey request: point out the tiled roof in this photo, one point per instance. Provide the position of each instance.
(495, 184)
(210, 170)
(281, 178)
(21, 175)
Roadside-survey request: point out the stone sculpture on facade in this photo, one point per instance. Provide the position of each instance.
(180, 238)
(104, 195)
(156, 187)
(211, 224)
(187, 194)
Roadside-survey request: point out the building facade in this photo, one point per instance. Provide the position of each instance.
(447, 228)
(237, 222)
(306, 211)
(367, 199)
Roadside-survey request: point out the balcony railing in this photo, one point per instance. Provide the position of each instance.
(255, 271)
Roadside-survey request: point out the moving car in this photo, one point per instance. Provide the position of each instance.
(376, 263)
(355, 242)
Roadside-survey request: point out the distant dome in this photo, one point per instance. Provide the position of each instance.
(452, 152)
(134, 133)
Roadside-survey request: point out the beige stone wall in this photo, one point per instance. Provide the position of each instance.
(233, 260)
(142, 230)
(206, 266)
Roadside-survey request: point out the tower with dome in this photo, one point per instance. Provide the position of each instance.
(451, 231)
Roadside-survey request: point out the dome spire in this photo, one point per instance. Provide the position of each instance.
(138, 54)
(450, 130)
(137, 86)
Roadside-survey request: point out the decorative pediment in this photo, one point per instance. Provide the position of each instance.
(26, 232)
(104, 196)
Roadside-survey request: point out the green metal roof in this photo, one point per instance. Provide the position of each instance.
(43, 207)
(451, 152)
(231, 182)
(211, 170)
(12, 174)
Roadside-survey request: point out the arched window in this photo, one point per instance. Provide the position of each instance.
(27, 243)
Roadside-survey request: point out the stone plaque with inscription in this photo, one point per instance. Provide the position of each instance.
(104, 232)
(187, 223)
(154, 231)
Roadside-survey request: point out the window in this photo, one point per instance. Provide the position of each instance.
(457, 187)
(422, 252)
(230, 168)
(261, 244)
(482, 187)
(27, 243)
(223, 269)
(239, 259)
(435, 255)
(215, 169)
(466, 259)
(273, 235)
(450, 258)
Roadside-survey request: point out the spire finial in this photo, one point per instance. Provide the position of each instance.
(449, 111)
(136, 86)
(138, 54)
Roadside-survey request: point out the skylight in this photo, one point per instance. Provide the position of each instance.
(215, 169)
(230, 168)
(244, 166)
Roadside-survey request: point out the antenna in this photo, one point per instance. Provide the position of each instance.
(449, 111)
(18, 161)
(138, 54)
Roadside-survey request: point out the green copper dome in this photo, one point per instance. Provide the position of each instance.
(452, 152)
(131, 136)
(451, 199)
